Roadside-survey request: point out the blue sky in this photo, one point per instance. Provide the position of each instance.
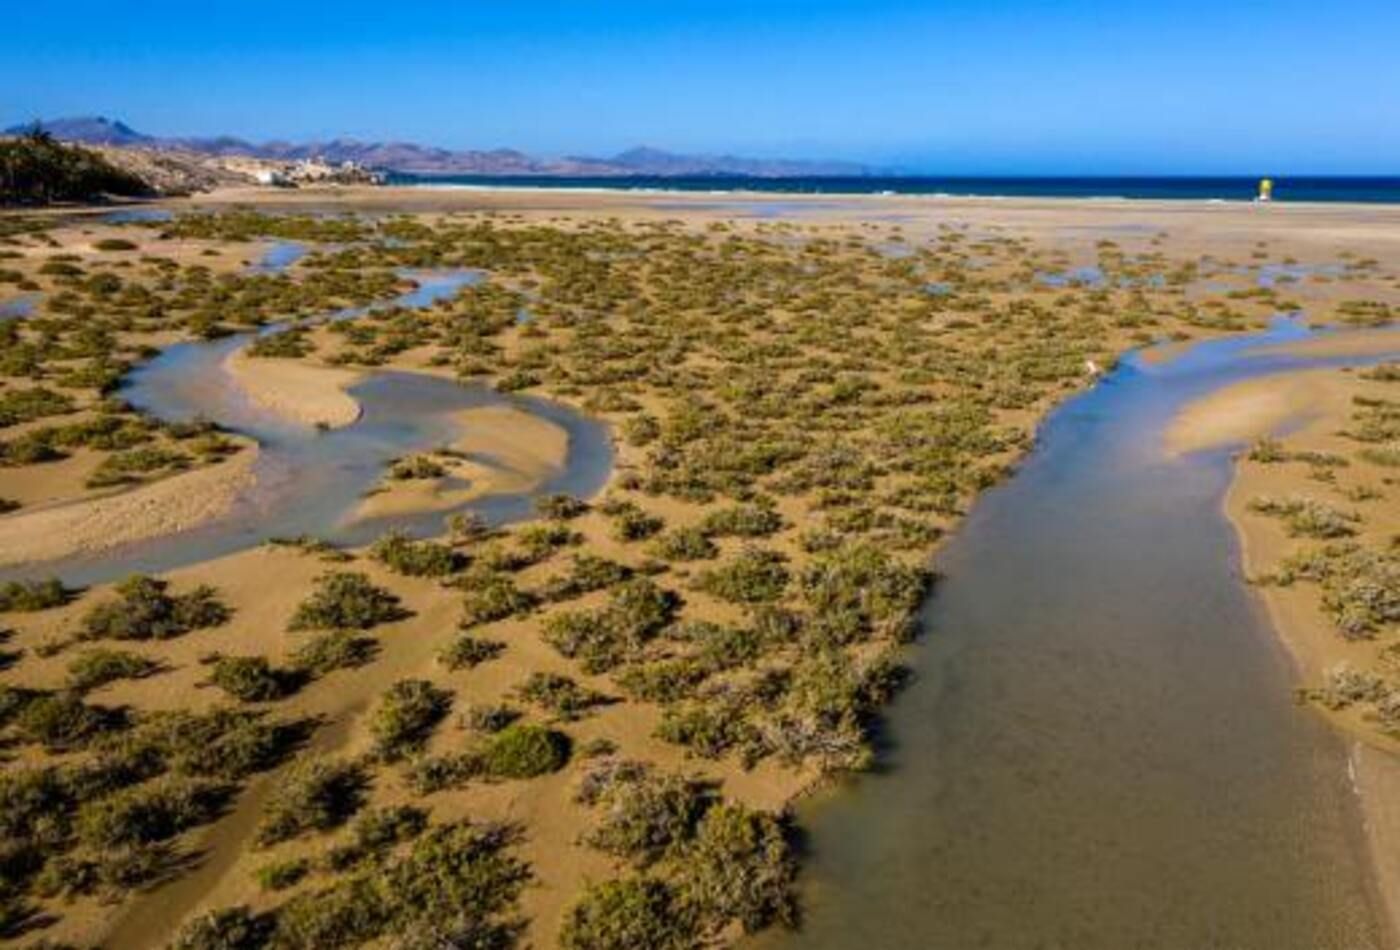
(953, 87)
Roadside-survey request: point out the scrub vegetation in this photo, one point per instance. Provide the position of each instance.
(799, 418)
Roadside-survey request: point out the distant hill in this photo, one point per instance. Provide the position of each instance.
(89, 130)
(428, 160)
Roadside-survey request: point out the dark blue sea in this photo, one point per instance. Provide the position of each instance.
(1371, 190)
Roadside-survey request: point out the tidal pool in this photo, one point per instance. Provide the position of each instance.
(1101, 748)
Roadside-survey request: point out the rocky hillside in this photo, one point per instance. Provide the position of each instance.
(428, 160)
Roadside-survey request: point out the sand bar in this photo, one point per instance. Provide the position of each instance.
(296, 391)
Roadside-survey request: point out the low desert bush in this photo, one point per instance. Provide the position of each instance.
(522, 751)
(412, 558)
(314, 795)
(252, 679)
(406, 716)
(93, 668)
(467, 651)
(145, 610)
(346, 600)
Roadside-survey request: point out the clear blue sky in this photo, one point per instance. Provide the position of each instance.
(959, 87)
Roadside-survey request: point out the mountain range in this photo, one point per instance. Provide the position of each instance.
(412, 158)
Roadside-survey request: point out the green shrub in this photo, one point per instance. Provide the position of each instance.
(252, 679)
(492, 596)
(30, 596)
(881, 592)
(114, 244)
(231, 928)
(1386, 456)
(631, 523)
(602, 639)
(646, 817)
(489, 717)
(540, 541)
(588, 573)
(149, 813)
(663, 681)
(280, 875)
(223, 743)
(628, 914)
(754, 576)
(416, 467)
(1360, 587)
(684, 544)
(381, 828)
(61, 721)
(435, 773)
(145, 611)
(57, 268)
(560, 507)
(523, 751)
(1304, 517)
(709, 730)
(39, 170)
(468, 651)
(336, 650)
(559, 695)
(346, 600)
(451, 889)
(93, 668)
(27, 405)
(740, 866)
(122, 468)
(407, 714)
(743, 521)
(314, 795)
(416, 558)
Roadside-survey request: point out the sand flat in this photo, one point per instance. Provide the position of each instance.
(508, 449)
(1253, 409)
(1370, 342)
(299, 392)
(88, 526)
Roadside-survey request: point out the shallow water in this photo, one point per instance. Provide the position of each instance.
(136, 215)
(1100, 749)
(17, 308)
(309, 482)
(279, 256)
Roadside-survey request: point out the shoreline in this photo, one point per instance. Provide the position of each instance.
(1308, 406)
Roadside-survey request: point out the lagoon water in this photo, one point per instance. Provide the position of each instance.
(309, 482)
(1100, 750)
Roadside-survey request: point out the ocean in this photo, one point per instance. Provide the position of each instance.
(1369, 190)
